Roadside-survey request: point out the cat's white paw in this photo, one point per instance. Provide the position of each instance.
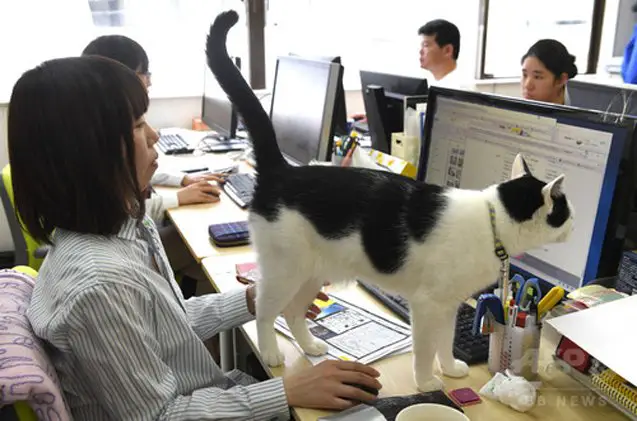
(429, 385)
(459, 369)
(316, 348)
(273, 358)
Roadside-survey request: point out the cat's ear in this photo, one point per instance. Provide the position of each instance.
(553, 190)
(519, 167)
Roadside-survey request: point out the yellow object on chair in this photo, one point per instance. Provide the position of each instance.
(27, 250)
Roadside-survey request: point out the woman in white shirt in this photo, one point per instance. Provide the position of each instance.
(125, 343)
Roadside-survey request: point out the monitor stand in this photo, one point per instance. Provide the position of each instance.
(218, 143)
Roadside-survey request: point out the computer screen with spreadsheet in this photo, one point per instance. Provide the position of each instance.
(471, 140)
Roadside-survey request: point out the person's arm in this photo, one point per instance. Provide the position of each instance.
(167, 179)
(210, 314)
(157, 204)
(111, 335)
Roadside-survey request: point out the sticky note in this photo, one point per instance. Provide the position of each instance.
(323, 304)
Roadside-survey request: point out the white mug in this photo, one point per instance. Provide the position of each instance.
(430, 412)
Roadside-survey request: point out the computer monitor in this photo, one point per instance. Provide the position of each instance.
(302, 107)
(620, 99)
(339, 121)
(397, 84)
(471, 140)
(217, 112)
(390, 109)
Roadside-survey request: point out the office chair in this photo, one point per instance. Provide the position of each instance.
(28, 251)
(376, 109)
(29, 382)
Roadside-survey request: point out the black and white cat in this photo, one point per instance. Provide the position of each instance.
(431, 244)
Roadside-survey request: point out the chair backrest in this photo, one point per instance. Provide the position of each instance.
(26, 373)
(25, 245)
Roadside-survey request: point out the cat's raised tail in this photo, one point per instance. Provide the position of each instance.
(266, 150)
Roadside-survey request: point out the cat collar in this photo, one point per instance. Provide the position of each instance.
(499, 249)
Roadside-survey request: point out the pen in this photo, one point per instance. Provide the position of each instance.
(195, 170)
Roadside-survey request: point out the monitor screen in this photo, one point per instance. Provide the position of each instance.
(302, 108)
(217, 112)
(605, 98)
(472, 140)
(339, 121)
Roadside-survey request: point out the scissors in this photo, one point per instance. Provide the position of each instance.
(516, 284)
(488, 305)
(530, 293)
(550, 300)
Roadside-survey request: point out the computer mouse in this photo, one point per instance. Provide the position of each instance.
(364, 388)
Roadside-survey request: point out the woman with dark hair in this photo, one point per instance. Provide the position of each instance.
(546, 68)
(125, 343)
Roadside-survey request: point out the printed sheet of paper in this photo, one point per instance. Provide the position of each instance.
(354, 334)
(604, 331)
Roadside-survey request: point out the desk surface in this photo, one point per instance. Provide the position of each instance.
(560, 398)
(192, 221)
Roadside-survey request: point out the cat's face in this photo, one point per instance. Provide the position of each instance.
(542, 211)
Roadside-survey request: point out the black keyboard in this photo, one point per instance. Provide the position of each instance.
(173, 144)
(466, 346)
(240, 188)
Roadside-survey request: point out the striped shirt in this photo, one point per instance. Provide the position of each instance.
(126, 344)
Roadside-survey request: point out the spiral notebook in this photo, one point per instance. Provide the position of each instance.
(617, 388)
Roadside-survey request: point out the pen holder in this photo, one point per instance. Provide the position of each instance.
(515, 348)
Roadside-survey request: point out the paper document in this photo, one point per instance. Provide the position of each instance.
(605, 332)
(352, 333)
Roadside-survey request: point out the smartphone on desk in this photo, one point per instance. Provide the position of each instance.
(230, 234)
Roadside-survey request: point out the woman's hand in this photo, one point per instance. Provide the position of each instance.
(192, 179)
(199, 192)
(328, 385)
(312, 311)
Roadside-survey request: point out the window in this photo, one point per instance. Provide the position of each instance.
(511, 28)
(367, 35)
(171, 31)
(107, 12)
